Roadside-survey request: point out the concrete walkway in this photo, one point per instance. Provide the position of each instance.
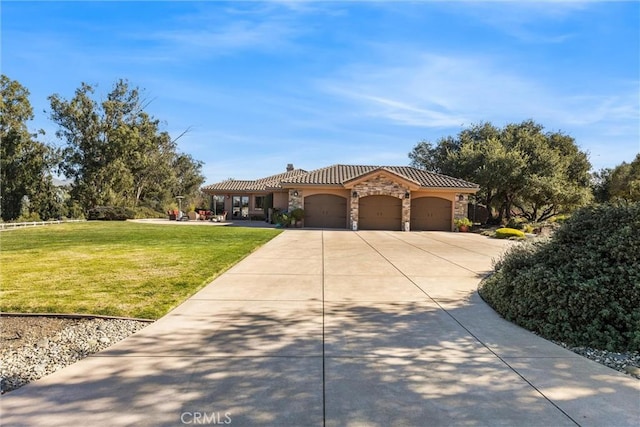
(336, 328)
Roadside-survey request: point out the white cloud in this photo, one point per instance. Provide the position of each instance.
(234, 36)
(429, 90)
(446, 91)
(437, 94)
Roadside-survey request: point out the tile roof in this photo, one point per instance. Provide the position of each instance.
(273, 181)
(339, 175)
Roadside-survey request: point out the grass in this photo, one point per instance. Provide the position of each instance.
(116, 268)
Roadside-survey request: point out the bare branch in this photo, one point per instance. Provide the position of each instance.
(186, 131)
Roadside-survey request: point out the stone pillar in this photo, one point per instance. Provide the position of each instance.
(354, 211)
(295, 199)
(460, 207)
(406, 213)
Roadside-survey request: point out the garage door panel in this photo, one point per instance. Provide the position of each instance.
(325, 211)
(430, 214)
(380, 213)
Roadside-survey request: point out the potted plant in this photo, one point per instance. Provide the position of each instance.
(297, 215)
(463, 224)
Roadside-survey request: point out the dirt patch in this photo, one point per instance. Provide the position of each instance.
(19, 331)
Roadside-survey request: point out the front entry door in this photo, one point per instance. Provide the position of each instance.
(240, 207)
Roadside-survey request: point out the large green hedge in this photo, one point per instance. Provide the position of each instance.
(110, 213)
(582, 286)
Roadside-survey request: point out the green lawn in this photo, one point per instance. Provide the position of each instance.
(116, 268)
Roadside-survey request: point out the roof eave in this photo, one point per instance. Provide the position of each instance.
(288, 185)
(470, 190)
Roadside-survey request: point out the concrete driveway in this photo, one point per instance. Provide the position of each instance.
(336, 328)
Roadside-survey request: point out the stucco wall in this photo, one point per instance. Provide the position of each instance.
(281, 200)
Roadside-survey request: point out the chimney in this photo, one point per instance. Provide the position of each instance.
(289, 167)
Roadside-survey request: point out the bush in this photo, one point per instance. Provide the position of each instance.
(559, 218)
(29, 217)
(582, 286)
(462, 222)
(110, 213)
(506, 233)
(146, 212)
(281, 219)
(517, 223)
(297, 214)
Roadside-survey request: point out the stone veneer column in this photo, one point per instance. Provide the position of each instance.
(460, 207)
(295, 202)
(354, 211)
(406, 214)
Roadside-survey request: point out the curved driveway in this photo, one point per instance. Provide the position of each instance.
(336, 328)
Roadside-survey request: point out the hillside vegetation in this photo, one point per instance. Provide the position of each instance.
(582, 286)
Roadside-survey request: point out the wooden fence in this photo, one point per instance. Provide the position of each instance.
(12, 225)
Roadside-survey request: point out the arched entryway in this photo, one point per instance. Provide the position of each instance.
(380, 213)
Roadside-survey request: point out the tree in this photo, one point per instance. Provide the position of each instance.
(188, 176)
(555, 176)
(600, 182)
(25, 163)
(621, 183)
(115, 152)
(519, 168)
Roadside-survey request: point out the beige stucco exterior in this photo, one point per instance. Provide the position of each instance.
(352, 184)
(384, 184)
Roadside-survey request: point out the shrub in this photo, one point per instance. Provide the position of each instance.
(582, 286)
(146, 212)
(281, 219)
(559, 218)
(297, 214)
(110, 213)
(517, 223)
(462, 222)
(29, 217)
(505, 233)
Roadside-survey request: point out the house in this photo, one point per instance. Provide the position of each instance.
(352, 197)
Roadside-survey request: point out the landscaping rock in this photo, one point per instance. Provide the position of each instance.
(33, 347)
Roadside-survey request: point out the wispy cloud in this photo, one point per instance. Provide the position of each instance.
(428, 90)
(444, 91)
(239, 35)
(523, 20)
(237, 28)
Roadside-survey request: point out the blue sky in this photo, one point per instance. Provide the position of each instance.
(263, 84)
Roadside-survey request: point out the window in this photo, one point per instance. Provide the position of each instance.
(240, 207)
(259, 202)
(217, 204)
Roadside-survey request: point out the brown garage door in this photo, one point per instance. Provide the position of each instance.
(380, 213)
(325, 211)
(430, 214)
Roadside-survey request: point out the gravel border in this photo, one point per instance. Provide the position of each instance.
(40, 355)
(627, 363)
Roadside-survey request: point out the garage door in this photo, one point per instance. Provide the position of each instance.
(430, 214)
(325, 211)
(380, 213)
